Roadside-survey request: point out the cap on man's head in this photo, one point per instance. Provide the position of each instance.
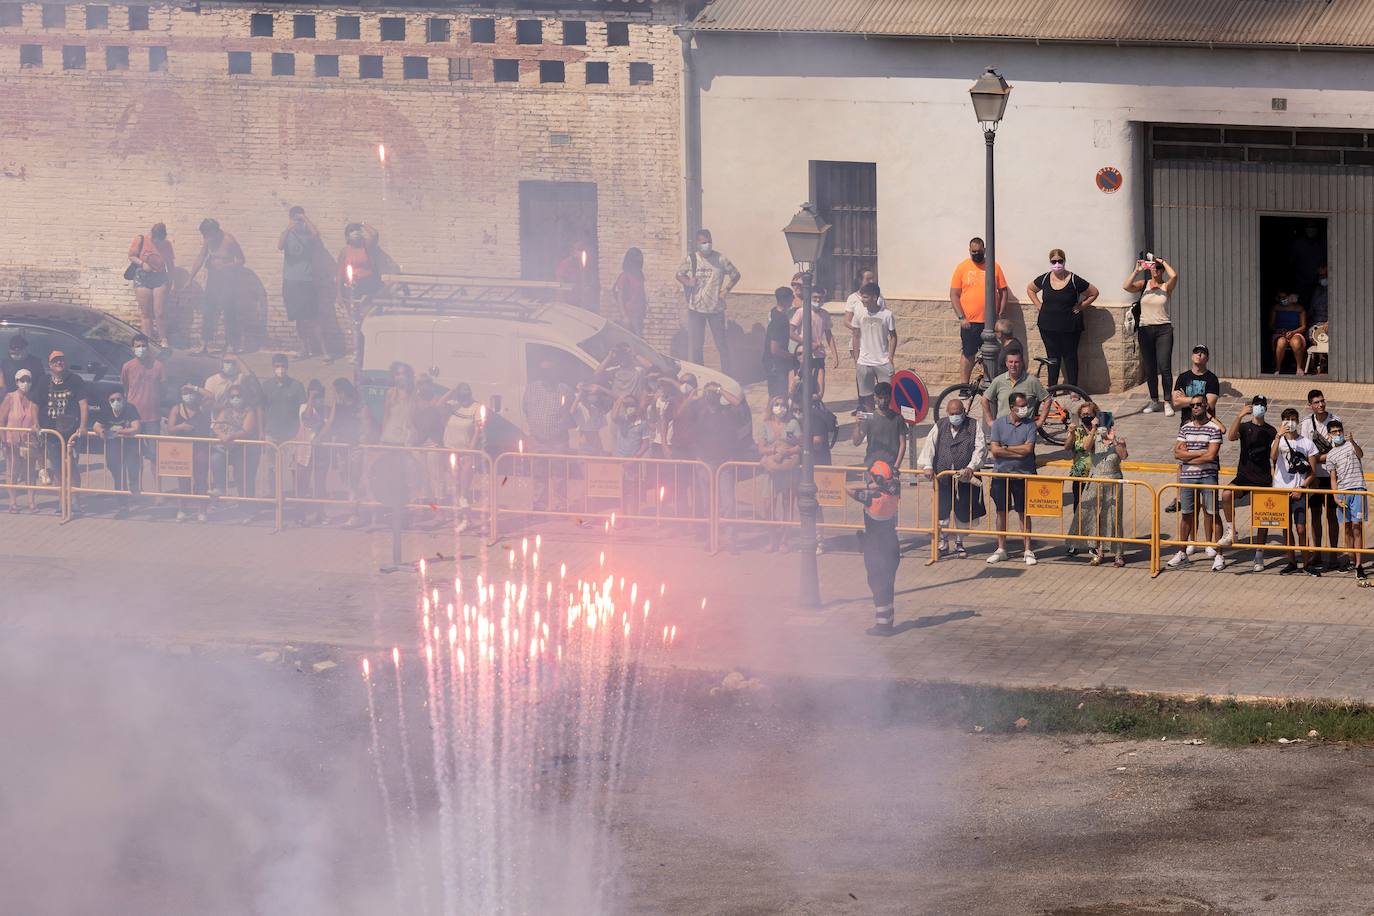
(1260, 399)
(1202, 348)
(56, 354)
(279, 359)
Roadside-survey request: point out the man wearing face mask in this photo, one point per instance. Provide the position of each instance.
(707, 276)
(1012, 441)
(18, 358)
(709, 428)
(1253, 469)
(955, 444)
(1295, 460)
(967, 292)
(822, 337)
(1316, 427)
(873, 344)
(191, 418)
(282, 397)
(997, 397)
(66, 411)
(880, 496)
(1196, 450)
(144, 377)
(117, 427)
(633, 438)
(777, 361)
(1347, 472)
(232, 371)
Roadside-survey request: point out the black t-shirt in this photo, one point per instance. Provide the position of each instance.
(1056, 305)
(61, 404)
(1193, 385)
(777, 330)
(883, 434)
(1253, 466)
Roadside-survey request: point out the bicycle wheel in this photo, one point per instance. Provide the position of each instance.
(965, 393)
(1061, 412)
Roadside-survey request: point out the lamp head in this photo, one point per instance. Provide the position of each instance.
(990, 96)
(806, 236)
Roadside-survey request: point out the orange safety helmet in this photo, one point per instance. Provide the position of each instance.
(881, 469)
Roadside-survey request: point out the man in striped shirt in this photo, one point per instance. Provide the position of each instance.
(1197, 450)
(1347, 473)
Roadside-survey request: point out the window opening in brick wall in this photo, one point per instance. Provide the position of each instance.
(370, 67)
(260, 25)
(551, 71)
(460, 68)
(117, 57)
(598, 72)
(11, 14)
(438, 30)
(617, 33)
(348, 27)
(393, 28)
(326, 65)
(240, 62)
(138, 19)
(505, 71)
(157, 60)
(641, 74)
(415, 68)
(846, 196)
(574, 33)
(483, 31)
(54, 16)
(73, 57)
(283, 64)
(30, 55)
(303, 26)
(529, 32)
(97, 17)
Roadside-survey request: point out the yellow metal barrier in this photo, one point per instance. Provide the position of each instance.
(195, 471)
(590, 488)
(27, 453)
(1099, 519)
(364, 478)
(749, 496)
(1267, 507)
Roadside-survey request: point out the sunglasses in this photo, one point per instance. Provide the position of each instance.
(1056, 263)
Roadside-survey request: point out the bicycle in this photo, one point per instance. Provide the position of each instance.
(1060, 418)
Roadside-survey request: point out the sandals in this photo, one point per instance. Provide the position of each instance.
(1119, 562)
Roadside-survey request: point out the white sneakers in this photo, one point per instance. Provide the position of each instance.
(997, 556)
(1218, 564)
(1029, 557)
(1228, 537)
(1150, 407)
(1258, 565)
(1179, 559)
(1168, 409)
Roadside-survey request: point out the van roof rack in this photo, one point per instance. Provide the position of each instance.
(457, 295)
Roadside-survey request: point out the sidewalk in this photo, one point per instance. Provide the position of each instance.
(1060, 623)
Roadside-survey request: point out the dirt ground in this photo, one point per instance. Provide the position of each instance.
(215, 782)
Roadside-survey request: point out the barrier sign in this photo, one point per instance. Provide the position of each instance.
(1044, 498)
(174, 458)
(1269, 509)
(830, 488)
(909, 397)
(603, 479)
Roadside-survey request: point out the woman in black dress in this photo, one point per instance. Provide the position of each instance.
(1061, 297)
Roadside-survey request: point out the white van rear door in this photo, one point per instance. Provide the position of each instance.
(483, 359)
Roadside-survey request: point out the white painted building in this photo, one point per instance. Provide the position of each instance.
(785, 89)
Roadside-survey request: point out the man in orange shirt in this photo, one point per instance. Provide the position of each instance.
(967, 294)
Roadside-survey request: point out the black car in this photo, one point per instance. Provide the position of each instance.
(97, 346)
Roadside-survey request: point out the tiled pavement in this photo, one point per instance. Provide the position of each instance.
(1058, 623)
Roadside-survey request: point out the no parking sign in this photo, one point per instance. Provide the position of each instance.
(909, 397)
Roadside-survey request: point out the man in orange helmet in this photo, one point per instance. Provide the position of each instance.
(880, 496)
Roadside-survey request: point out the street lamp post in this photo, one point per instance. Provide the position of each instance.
(805, 237)
(990, 96)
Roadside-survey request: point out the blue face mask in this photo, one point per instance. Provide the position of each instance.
(1338, 439)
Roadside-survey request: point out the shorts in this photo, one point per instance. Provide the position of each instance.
(1297, 509)
(301, 298)
(149, 279)
(1243, 496)
(1009, 491)
(870, 376)
(1351, 507)
(1188, 497)
(970, 338)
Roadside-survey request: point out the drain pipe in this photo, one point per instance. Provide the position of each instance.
(691, 139)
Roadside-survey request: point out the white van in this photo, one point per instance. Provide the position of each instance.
(493, 347)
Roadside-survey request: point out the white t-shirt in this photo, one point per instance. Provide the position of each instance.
(874, 333)
(855, 304)
(1311, 429)
(1283, 478)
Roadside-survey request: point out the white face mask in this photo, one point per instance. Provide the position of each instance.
(956, 419)
(1023, 412)
(1289, 426)
(140, 352)
(704, 247)
(1322, 281)
(1258, 410)
(279, 372)
(779, 410)
(686, 389)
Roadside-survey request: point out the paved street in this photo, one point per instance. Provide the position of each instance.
(1059, 623)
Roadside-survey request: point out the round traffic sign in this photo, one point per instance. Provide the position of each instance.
(909, 397)
(1108, 179)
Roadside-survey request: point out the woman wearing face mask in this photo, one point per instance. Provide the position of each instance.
(152, 260)
(780, 455)
(1082, 444)
(1288, 319)
(234, 422)
(19, 432)
(191, 418)
(1061, 297)
(1154, 280)
(310, 464)
(1100, 510)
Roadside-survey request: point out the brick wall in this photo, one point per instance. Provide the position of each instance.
(94, 156)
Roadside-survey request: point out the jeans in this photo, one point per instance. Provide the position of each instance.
(881, 556)
(124, 460)
(1156, 356)
(696, 337)
(1062, 347)
(58, 465)
(244, 460)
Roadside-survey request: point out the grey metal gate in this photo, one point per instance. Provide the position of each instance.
(1206, 221)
